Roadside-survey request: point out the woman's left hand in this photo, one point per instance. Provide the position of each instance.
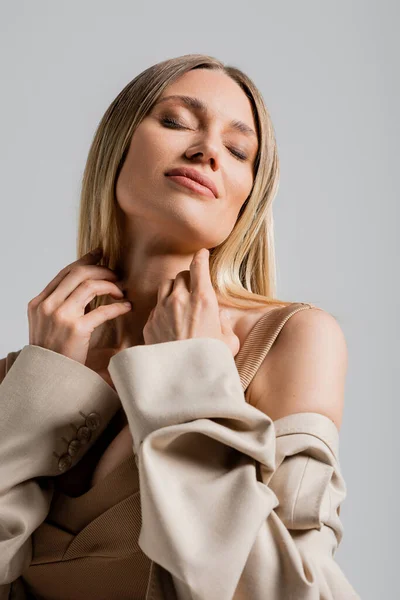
(187, 307)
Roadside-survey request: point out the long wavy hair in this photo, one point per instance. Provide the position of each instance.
(242, 267)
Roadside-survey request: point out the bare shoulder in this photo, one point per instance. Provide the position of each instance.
(313, 328)
(305, 369)
(243, 320)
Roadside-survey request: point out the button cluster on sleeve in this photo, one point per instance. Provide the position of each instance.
(65, 462)
(82, 437)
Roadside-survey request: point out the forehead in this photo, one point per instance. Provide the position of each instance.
(222, 96)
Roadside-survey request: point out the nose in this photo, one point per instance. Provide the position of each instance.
(207, 150)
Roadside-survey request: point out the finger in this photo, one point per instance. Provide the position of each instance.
(164, 289)
(76, 277)
(182, 281)
(76, 303)
(200, 272)
(105, 312)
(87, 259)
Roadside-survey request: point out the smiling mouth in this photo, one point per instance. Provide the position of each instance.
(192, 185)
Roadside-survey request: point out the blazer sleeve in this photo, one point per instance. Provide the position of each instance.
(232, 506)
(47, 401)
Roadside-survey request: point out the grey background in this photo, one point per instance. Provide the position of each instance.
(329, 75)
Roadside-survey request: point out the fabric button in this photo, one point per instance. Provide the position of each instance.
(93, 421)
(65, 462)
(73, 447)
(83, 435)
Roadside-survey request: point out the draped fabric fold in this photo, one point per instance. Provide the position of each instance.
(219, 530)
(42, 398)
(233, 505)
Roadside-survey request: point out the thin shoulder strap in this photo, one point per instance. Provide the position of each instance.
(260, 339)
(256, 346)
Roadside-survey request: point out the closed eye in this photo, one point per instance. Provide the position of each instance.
(169, 122)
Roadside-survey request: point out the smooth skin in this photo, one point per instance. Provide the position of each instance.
(165, 227)
(56, 316)
(166, 224)
(57, 319)
(191, 309)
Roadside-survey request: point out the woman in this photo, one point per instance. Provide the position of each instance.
(230, 399)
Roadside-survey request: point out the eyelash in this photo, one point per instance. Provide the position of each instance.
(173, 122)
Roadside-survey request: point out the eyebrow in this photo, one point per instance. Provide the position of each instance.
(197, 104)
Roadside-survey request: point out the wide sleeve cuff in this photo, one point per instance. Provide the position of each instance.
(43, 401)
(198, 442)
(172, 383)
(233, 504)
(52, 410)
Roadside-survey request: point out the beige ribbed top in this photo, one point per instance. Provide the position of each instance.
(87, 548)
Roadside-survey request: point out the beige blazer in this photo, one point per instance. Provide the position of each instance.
(234, 505)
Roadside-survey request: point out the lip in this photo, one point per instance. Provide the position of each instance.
(194, 175)
(192, 185)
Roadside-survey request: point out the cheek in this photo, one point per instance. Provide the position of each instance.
(141, 154)
(236, 195)
(138, 166)
(239, 190)
(150, 156)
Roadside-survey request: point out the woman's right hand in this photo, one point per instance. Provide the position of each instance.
(57, 319)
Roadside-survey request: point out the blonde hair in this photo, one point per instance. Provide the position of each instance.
(242, 268)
